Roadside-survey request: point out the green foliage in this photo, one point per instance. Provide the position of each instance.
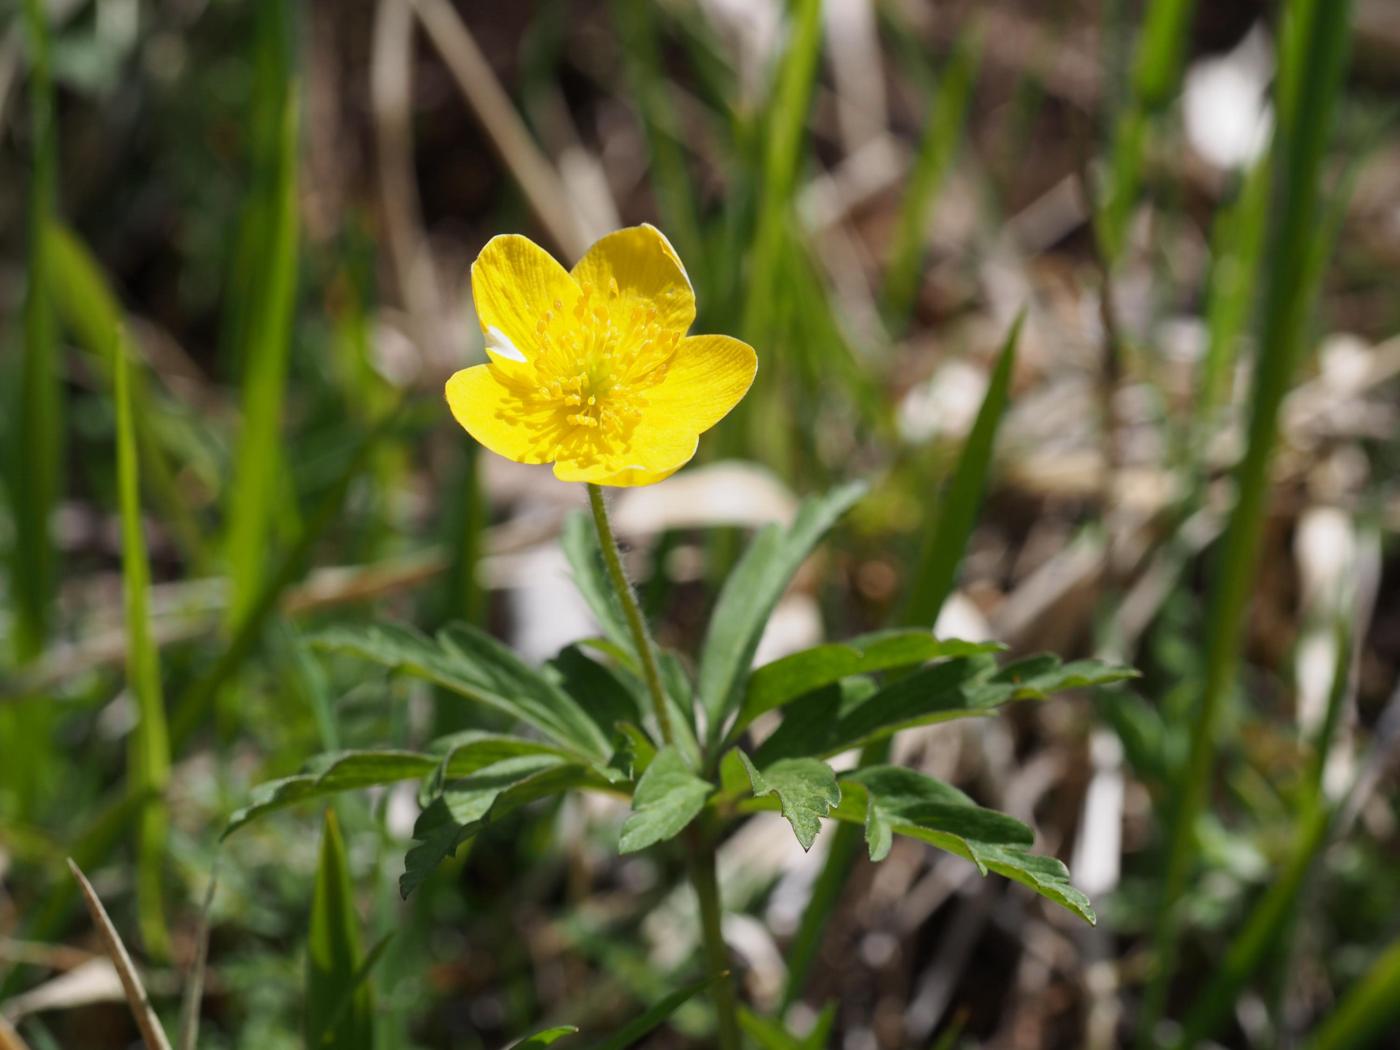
(149, 763)
(805, 787)
(668, 797)
(333, 956)
(548, 1037)
(1368, 1011)
(955, 511)
(749, 595)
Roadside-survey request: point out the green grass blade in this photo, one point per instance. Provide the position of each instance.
(784, 127)
(1368, 1011)
(149, 760)
(676, 193)
(1314, 49)
(1238, 242)
(1156, 71)
(195, 702)
(88, 308)
(945, 542)
(333, 956)
(654, 1015)
(257, 477)
(37, 451)
(946, 120)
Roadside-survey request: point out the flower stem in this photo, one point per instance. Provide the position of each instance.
(700, 846)
(703, 876)
(646, 653)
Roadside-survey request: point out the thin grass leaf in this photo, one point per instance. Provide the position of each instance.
(957, 506)
(783, 133)
(947, 116)
(89, 309)
(333, 955)
(654, 1016)
(199, 697)
(1313, 54)
(1156, 71)
(148, 763)
(141, 1010)
(36, 452)
(548, 1037)
(1368, 1011)
(258, 466)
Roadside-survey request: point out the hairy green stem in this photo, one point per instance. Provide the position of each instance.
(700, 846)
(646, 653)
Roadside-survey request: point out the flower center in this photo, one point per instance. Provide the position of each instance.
(585, 389)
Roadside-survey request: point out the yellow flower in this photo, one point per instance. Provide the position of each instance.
(592, 370)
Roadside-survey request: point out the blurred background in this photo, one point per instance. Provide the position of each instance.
(278, 204)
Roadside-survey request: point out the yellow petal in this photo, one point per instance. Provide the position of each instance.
(492, 412)
(708, 377)
(646, 269)
(514, 283)
(655, 453)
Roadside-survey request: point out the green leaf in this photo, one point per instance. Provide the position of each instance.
(957, 505)
(546, 1038)
(469, 804)
(149, 760)
(473, 664)
(749, 595)
(472, 750)
(806, 789)
(668, 797)
(603, 694)
(252, 497)
(579, 540)
(833, 720)
(1367, 1011)
(333, 955)
(654, 1015)
(770, 1034)
(784, 680)
(330, 774)
(892, 800)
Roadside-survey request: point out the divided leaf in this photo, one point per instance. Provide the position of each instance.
(472, 663)
(891, 800)
(784, 680)
(833, 719)
(489, 794)
(668, 797)
(806, 790)
(329, 774)
(749, 595)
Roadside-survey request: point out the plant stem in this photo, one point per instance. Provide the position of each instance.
(706, 882)
(700, 846)
(628, 597)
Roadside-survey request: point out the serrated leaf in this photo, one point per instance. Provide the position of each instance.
(333, 956)
(332, 773)
(890, 800)
(546, 1038)
(466, 805)
(830, 721)
(784, 680)
(806, 790)
(473, 664)
(668, 797)
(749, 595)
